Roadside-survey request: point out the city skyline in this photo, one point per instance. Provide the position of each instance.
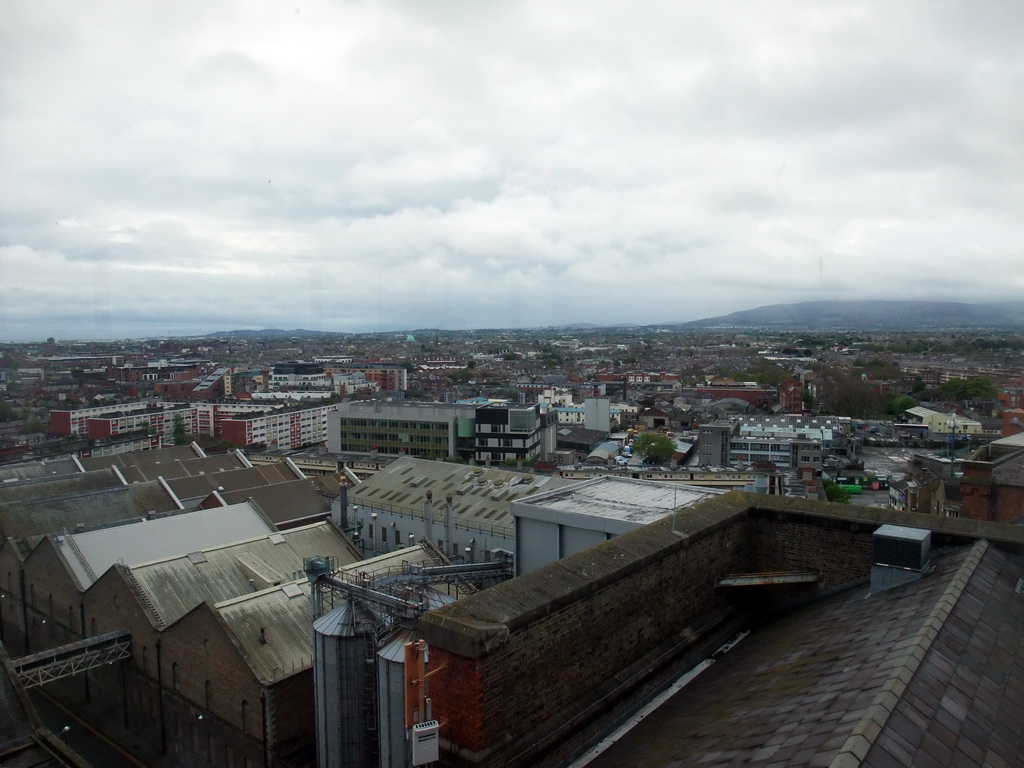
(371, 167)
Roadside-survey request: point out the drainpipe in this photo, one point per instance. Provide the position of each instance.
(160, 694)
(24, 607)
(266, 746)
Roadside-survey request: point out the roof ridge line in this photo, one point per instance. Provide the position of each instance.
(863, 736)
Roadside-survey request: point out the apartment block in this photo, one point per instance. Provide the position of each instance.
(279, 429)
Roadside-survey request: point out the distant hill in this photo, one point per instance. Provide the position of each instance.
(271, 333)
(871, 315)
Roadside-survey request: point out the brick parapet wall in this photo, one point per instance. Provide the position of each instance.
(581, 623)
(535, 668)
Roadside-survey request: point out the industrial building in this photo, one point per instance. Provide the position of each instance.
(561, 522)
(475, 432)
(454, 506)
(291, 648)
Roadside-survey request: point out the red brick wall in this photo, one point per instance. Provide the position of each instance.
(60, 423)
(555, 667)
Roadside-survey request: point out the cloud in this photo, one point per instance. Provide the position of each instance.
(353, 165)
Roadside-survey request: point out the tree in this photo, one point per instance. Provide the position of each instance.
(977, 387)
(654, 448)
(809, 401)
(33, 426)
(901, 404)
(836, 493)
(181, 436)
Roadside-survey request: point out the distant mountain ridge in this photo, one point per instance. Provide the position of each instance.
(271, 333)
(857, 315)
(874, 314)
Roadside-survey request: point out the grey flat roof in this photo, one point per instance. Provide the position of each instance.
(622, 498)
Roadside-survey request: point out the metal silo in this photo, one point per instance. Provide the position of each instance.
(345, 682)
(394, 745)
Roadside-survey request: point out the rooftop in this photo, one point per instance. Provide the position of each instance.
(481, 496)
(88, 508)
(91, 553)
(284, 612)
(215, 573)
(621, 498)
(178, 461)
(929, 673)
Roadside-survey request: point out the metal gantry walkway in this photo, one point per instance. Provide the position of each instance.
(393, 591)
(73, 658)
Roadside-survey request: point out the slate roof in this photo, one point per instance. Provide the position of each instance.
(927, 674)
(35, 469)
(58, 485)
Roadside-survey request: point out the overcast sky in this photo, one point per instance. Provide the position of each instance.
(193, 166)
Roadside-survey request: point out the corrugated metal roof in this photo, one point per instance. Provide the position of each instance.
(285, 621)
(176, 585)
(101, 506)
(179, 461)
(283, 612)
(285, 502)
(91, 553)
(36, 469)
(473, 490)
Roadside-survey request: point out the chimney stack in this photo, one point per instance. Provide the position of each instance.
(428, 517)
(341, 508)
(449, 530)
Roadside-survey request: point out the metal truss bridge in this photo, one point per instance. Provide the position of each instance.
(73, 658)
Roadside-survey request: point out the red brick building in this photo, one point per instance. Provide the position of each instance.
(992, 486)
(791, 396)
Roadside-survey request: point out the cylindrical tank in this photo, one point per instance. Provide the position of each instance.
(343, 670)
(465, 427)
(394, 746)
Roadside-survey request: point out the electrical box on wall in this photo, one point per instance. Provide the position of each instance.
(425, 742)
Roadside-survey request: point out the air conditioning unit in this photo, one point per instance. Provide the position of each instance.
(897, 546)
(901, 555)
